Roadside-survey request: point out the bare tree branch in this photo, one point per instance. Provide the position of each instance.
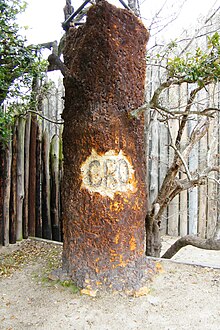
(46, 118)
(55, 63)
(207, 244)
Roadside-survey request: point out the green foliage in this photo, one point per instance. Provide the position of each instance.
(19, 64)
(200, 66)
(69, 284)
(6, 122)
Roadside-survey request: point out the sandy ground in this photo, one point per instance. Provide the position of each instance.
(181, 296)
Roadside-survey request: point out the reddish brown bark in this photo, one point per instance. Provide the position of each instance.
(104, 193)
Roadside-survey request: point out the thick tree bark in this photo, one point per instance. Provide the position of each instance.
(206, 244)
(104, 192)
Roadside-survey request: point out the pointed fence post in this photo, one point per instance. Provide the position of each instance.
(20, 177)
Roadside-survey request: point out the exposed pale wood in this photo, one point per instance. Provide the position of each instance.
(20, 177)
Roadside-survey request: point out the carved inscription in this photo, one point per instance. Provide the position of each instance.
(108, 173)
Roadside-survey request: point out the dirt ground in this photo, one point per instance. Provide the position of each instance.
(181, 296)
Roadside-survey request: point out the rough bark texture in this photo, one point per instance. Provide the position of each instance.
(104, 193)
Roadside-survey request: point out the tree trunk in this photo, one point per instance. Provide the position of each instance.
(153, 235)
(20, 178)
(104, 191)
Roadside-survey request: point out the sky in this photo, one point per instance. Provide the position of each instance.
(44, 17)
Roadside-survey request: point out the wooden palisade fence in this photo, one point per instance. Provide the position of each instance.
(195, 211)
(33, 176)
(32, 173)
(32, 166)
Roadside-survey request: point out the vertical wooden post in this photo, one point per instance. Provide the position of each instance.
(183, 221)
(26, 175)
(202, 191)
(173, 208)
(104, 192)
(2, 178)
(13, 194)
(46, 219)
(38, 227)
(7, 190)
(212, 212)
(20, 177)
(54, 196)
(193, 193)
(32, 177)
